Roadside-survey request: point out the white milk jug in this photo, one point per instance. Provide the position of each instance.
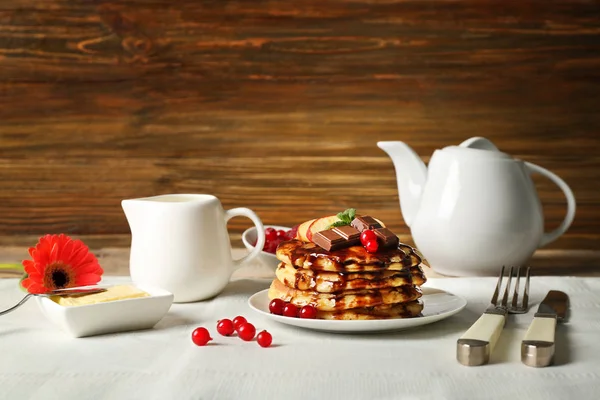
(179, 242)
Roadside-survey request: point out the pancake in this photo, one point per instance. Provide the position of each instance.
(344, 300)
(401, 310)
(418, 276)
(351, 259)
(416, 258)
(334, 282)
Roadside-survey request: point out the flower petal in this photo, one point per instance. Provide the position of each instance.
(65, 252)
(35, 276)
(33, 287)
(85, 260)
(79, 254)
(89, 268)
(31, 267)
(87, 279)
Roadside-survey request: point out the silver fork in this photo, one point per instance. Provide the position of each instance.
(58, 292)
(515, 307)
(477, 343)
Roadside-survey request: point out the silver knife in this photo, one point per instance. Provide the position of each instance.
(537, 347)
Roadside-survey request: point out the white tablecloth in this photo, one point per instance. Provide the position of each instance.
(38, 361)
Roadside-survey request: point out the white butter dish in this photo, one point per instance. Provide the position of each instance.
(111, 316)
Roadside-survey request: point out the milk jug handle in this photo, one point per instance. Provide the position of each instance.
(548, 237)
(260, 233)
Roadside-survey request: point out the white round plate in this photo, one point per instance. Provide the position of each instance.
(437, 305)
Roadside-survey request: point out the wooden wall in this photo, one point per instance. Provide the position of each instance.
(277, 105)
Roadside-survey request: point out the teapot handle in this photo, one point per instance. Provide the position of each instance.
(260, 233)
(548, 237)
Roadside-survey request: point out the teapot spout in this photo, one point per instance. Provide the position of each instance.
(411, 174)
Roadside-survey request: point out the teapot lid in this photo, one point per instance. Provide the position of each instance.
(477, 147)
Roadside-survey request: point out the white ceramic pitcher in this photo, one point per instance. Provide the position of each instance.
(179, 242)
(474, 208)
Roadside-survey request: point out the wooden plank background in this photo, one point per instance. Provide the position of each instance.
(277, 105)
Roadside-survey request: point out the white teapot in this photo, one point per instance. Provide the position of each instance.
(475, 209)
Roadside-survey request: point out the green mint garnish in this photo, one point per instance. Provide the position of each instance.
(338, 223)
(345, 217)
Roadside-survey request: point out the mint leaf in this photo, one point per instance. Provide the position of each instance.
(338, 223)
(347, 215)
(351, 214)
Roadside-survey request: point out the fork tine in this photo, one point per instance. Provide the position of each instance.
(505, 297)
(498, 285)
(526, 293)
(515, 300)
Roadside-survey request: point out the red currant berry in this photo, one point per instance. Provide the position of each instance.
(281, 234)
(225, 327)
(276, 306)
(308, 312)
(246, 331)
(264, 339)
(367, 236)
(270, 247)
(292, 232)
(270, 234)
(372, 246)
(237, 321)
(200, 336)
(290, 310)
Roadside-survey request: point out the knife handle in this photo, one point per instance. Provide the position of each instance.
(475, 345)
(537, 347)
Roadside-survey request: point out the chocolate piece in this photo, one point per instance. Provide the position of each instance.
(329, 240)
(386, 237)
(365, 222)
(349, 233)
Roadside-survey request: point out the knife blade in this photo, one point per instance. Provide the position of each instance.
(537, 347)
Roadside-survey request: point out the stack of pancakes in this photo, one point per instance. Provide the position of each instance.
(350, 283)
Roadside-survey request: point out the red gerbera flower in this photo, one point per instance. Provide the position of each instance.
(60, 262)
